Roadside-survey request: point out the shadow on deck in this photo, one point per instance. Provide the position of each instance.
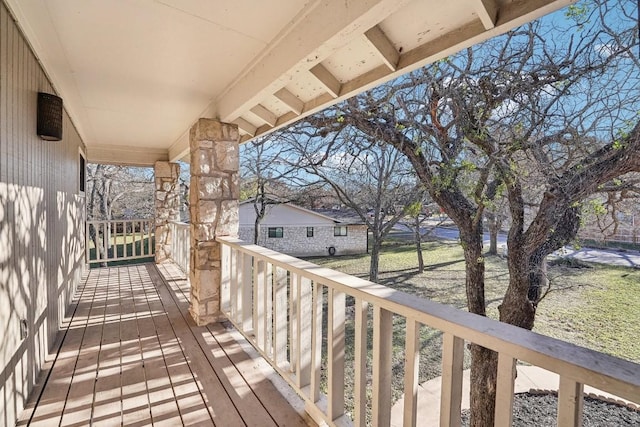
(130, 354)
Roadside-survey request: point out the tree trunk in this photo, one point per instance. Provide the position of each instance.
(420, 257)
(474, 266)
(516, 308)
(256, 230)
(484, 362)
(375, 260)
(418, 238)
(537, 277)
(484, 374)
(493, 243)
(494, 229)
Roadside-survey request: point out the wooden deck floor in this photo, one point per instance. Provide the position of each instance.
(132, 356)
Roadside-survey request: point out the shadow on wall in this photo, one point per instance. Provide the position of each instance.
(41, 255)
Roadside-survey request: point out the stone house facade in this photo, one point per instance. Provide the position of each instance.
(297, 231)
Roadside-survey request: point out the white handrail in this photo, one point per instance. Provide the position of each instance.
(250, 288)
(119, 240)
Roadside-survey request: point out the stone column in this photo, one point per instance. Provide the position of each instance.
(213, 197)
(167, 206)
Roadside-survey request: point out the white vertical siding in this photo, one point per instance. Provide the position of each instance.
(41, 222)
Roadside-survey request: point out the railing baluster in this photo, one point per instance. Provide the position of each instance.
(258, 299)
(382, 339)
(294, 285)
(280, 315)
(247, 293)
(360, 380)
(411, 371)
(135, 251)
(570, 402)
(100, 249)
(233, 289)
(452, 364)
(151, 232)
(304, 314)
(504, 390)
(316, 342)
(268, 309)
(147, 251)
(335, 352)
(87, 239)
(225, 279)
(105, 240)
(125, 237)
(114, 235)
(137, 235)
(239, 288)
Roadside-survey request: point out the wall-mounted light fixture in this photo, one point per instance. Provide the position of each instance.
(49, 117)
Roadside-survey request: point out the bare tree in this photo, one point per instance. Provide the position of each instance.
(268, 178)
(371, 178)
(116, 192)
(119, 192)
(545, 116)
(414, 211)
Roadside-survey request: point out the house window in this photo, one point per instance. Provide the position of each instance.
(340, 230)
(275, 232)
(309, 231)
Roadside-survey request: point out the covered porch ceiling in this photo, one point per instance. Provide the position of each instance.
(135, 75)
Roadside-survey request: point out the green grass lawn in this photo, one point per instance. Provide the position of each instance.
(596, 307)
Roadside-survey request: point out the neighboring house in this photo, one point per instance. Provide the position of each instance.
(297, 231)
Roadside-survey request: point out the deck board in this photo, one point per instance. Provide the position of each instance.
(136, 410)
(49, 410)
(133, 356)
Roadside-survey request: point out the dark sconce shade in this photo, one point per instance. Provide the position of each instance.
(49, 117)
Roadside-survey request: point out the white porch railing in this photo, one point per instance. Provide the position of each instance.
(180, 244)
(119, 240)
(276, 301)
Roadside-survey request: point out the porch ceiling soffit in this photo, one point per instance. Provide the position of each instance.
(125, 155)
(313, 54)
(270, 93)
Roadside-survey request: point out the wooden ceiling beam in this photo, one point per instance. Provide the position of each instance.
(265, 115)
(326, 79)
(290, 100)
(246, 127)
(487, 12)
(381, 43)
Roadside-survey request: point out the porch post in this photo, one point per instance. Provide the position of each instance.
(213, 200)
(167, 206)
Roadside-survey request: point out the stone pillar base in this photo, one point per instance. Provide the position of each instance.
(201, 318)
